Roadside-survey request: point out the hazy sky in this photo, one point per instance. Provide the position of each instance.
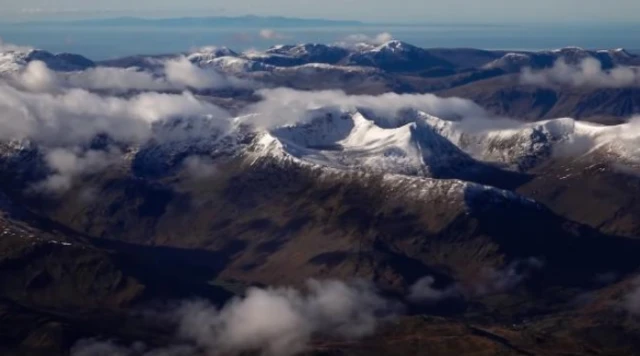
(477, 11)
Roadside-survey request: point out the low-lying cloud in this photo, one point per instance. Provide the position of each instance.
(488, 281)
(177, 75)
(182, 73)
(74, 116)
(287, 106)
(425, 292)
(63, 122)
(492, 280)
(68, 164)
(200, 167)
(282, 321)
(285, 321)
(588, 73)
(272, 321)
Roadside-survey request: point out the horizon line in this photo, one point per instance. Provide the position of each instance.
(150, 19)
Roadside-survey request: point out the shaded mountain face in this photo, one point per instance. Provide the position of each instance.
(323, 192)
(249, 223)
(339, 224)
(571, 187)
(59, 286)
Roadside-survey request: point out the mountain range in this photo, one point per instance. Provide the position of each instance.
(501, 225)
(490, 78)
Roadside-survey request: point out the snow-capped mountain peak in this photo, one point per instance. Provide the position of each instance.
(394, 46)
(220, 51)
(351, 140)
(208, 53)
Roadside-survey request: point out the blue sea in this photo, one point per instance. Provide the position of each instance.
(99, 42)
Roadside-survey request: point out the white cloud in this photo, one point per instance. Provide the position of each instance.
(38, 77)
(182, 72)
(423, 291)
(178, 74)
(74, 116)
(68, 164)
(588, 72)
(492, 280)
(282, 321)
(488, 281)
(116, 79)
(273, 321)
(200, 167)
(59, 112)
(287, 106)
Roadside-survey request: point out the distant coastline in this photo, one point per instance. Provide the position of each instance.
(214, 22)
(108, 38)
(251, 21)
